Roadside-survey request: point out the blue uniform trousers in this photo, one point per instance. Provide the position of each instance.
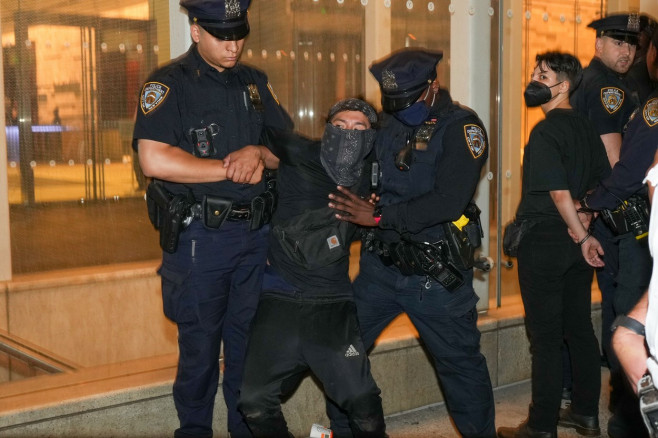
(210, 289)
(447, 324)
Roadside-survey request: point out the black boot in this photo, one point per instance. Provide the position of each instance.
(584, 424)
(524, 431)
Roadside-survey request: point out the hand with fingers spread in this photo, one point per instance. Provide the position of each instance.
(352, 208)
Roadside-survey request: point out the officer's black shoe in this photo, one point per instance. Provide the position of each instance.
(618, 427)
(524, 431)
(584, 424)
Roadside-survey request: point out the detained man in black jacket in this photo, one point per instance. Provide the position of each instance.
(306, 318)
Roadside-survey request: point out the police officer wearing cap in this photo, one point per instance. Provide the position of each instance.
(604, 97)
(430, 152)
(624, 190)
(198, 135)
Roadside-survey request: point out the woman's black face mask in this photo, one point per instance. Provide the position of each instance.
(537, 93)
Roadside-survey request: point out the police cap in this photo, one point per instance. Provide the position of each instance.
(647, 24)
(404, 75)
(223, 19)
(623, 27)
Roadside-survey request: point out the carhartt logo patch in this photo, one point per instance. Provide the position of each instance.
(333, 242)
(475, 139)
(153, 94)
(612, 98)
(650, 112)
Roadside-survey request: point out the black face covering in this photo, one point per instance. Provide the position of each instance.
(537, 93)
(342, 152)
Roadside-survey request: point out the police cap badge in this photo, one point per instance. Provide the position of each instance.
(223, 19)
(404, 75)
(623, 27)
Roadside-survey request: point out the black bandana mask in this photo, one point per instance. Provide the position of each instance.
(537, 94)
(342, 152)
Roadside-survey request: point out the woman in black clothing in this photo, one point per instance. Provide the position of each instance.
(564, 158)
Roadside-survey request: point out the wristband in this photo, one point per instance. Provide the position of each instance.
(377, 215)
(584, 239)
(627, 322)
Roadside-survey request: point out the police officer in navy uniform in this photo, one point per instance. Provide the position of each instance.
(604, 97)
(431, 152)
(198, 134)
(635, 264)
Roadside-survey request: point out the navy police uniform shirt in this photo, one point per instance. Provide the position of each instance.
(443, 174)
(636, 156)
(603, 98)
(235, 105)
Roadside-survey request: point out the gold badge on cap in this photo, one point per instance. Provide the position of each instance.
(232, 8)
(633, 22)
(388, 80)
(612, 98)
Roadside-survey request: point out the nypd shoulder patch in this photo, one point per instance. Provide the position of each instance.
(475, 139)
(650, 112)
(153, 94)
(612, 98)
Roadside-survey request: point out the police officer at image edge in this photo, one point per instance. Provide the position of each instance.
(605, 99)
(622, 200)
(210, 106)
(430, 151)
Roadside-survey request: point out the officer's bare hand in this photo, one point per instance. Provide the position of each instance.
(244, 166)
(592, 251)
(629, 348)
(258, 174)
(350, 207)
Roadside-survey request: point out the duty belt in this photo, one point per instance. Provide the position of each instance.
(235, 214)
(418, 258)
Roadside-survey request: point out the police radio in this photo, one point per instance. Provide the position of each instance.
(202, 140)
(632, 215)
